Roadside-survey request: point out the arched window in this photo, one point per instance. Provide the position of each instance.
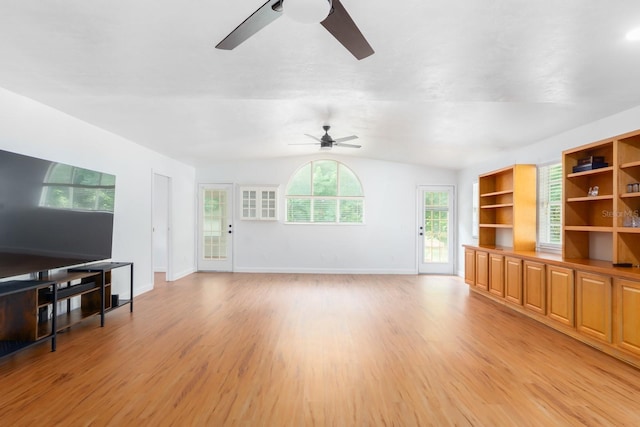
(325, 191)
(74, 188)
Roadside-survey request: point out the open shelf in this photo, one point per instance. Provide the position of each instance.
(631, 230)
(500, 205)
(630, 164)
(630, 195)
(590, 198)
(496, 225)
(588, 228)
(590, 172)
(496, 193)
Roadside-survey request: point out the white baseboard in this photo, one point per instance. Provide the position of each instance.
(285, 270)
(181, 274)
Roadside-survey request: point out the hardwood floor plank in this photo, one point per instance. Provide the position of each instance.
(316, 350)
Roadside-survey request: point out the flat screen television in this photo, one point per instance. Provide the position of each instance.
(52, 215)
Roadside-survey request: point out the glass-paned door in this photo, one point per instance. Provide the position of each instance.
(436, 226)
(215, 228)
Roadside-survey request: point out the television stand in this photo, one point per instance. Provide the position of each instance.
(30, 309)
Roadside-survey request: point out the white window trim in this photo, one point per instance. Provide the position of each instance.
(546, 247)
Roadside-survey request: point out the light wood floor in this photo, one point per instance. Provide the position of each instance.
(316, 350)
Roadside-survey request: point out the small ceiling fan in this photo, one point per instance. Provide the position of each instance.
(326, 141)
(337, 22)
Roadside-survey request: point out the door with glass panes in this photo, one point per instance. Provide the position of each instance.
(435, 229)
(215, 227)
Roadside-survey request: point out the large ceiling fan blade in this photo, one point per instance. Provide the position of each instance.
(266, 14)
(342, 27)
(340, 144)
(311, 136)
(345, 138)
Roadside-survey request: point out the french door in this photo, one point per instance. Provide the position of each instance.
(436, 229)
(215, 227)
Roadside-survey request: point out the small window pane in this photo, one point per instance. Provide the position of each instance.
(324, 210)
(325, 178)
(58, 197)
(351, 211)
(60, 174)
(299, 210)
(301, 183)
(349, 183)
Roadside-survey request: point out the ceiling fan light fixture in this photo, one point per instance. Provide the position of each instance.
(307, 11)
(634, 35)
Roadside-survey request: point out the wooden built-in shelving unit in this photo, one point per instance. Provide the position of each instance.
(508, 203)
(611, 212)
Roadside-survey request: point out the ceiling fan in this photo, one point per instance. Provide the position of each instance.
(337, 22)
(326, 141)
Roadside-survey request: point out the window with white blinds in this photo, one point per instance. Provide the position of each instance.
(550, 207)
(325, 192)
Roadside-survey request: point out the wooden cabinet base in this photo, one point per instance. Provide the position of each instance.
(587, 300)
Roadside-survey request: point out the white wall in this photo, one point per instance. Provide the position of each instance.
(160, 223)
(387, 243)
(30, 128)
(544, 151)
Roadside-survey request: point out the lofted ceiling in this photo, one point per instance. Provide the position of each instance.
(450, 83)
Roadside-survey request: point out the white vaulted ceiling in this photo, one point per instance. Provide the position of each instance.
(450, 82)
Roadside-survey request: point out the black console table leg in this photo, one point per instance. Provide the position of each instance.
(102, 300)
(131, 290)
(54, 319)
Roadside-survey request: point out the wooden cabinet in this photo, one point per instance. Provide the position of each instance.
(585, 299)
(627, 315)
(534, 289)
(593, 305)
(507, 204)
(560, 294)
(470, 266)
(482, 270)
(513, 280)
(496, 274)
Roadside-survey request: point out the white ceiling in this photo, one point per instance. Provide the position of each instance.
(451, 81)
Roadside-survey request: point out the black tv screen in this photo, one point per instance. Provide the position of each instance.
(52, 214)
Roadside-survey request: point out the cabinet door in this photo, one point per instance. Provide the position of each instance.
(627, 315)
(593, 305)
(513, 280)
(560, 291)
(470, 266)
(534, 287)
(482, 270)
(496, 274)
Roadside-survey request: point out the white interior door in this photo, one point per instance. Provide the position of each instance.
(215, 227)
(435, 229)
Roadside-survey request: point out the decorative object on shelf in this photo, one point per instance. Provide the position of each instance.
(589, 166)
(636, 187)
(593, 191)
